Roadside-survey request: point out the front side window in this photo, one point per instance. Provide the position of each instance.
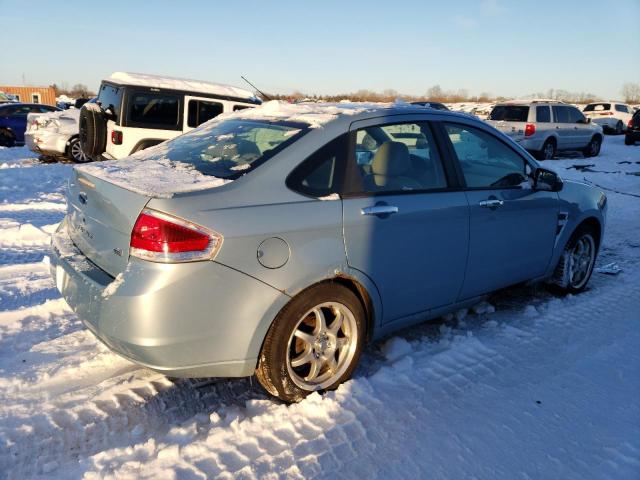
(560, 114)
(486, 162)
(575, 116)
(228, 148)
(154, 110)
(621, 108)
(240, 107)
(397, 158)
(200, 111)
(543, 114)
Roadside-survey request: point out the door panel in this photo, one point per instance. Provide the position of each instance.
(512, 227)
(417, 256)
(510, 243)
(402, 227)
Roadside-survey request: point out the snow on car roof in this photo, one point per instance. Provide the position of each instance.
(314, 114)
(173, 83)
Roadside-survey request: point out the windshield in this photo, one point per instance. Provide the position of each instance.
(229, 148)
(510, 113)
(597, 107)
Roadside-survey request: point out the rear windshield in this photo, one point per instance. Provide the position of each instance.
(510, 113)
(110, 97)
(597, 107)
(228, 149)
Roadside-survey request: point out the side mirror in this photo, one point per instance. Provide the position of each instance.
(546, 180)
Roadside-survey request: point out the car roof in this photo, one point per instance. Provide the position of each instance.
(180, 84)
(319, 114)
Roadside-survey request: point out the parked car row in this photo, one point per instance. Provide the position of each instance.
(13, 121)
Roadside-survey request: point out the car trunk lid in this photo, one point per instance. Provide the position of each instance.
(101, 217)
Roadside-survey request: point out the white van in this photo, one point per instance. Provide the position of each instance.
(136, 111)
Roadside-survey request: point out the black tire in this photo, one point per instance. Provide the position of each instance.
(93, 130)
(75, 152)
(7, 138)
(593, 148)
(628, 140)
(548, 151)
(562, 283)
(619, 128)
(273, 365)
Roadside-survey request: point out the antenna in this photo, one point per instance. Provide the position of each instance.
(256, 89)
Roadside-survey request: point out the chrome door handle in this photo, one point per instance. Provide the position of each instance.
(493, 203)
(379, 210)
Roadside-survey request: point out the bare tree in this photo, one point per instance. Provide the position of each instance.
(631, 92)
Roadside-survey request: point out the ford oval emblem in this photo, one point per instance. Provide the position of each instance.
(82, 197)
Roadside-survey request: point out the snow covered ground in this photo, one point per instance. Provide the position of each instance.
(528, 386)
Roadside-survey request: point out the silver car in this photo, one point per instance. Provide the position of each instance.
(279, 240)
(547, 127)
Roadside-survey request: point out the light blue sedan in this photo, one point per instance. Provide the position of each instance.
(277, 241)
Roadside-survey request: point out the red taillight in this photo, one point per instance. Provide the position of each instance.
(630, 124)
(529, 129)
(163, 238)
(116, 137)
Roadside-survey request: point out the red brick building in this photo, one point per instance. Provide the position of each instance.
(45, 95)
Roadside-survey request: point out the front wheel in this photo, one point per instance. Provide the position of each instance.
(576, 264)
(593, 148)
(75, 153)
(7, 139)
(313, 344)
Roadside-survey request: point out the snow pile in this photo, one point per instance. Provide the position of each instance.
(162, 178)
(173, 83)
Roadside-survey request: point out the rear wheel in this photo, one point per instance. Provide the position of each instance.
(314, 343)
(593, 148)
(619, 127)
(548, 150)
(75, 153)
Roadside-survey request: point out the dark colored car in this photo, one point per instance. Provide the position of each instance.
(633, 130)
(13, 121)
(436, 105)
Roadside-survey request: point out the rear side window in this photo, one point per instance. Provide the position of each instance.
(201, 111)
(154, 110)
(396, 158)
(110, 97)
(543, 114)
(560, 114)
(597, 107)
(510, 113)
(486, 162)
(320, 175)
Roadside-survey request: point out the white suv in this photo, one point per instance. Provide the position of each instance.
(136, 111)
(612, 116)
(545, 127)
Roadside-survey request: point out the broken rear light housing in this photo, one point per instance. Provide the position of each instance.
(163, 238)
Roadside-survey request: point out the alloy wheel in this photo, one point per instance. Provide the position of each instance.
(76, 152)
(322, 346)
(581, 260)
(549, 151)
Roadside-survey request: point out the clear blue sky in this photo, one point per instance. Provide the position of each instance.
(509, 48)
